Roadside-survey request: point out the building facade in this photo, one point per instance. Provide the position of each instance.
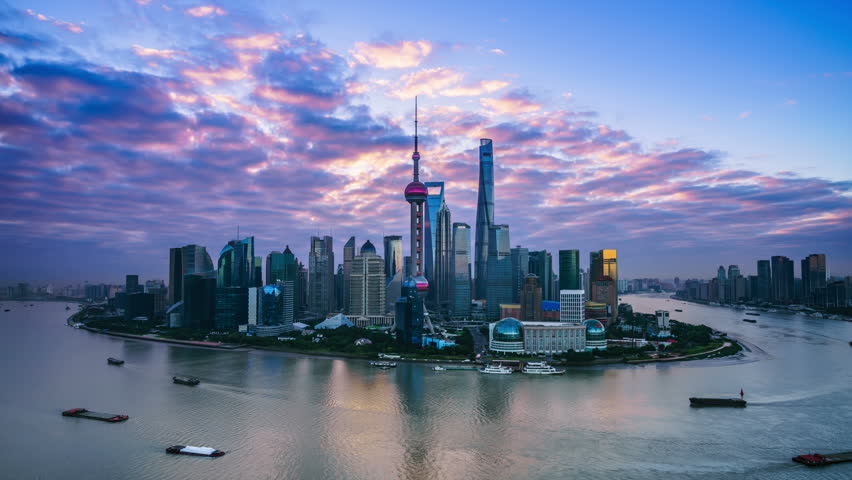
(530, 300)
(393, 255)
(367, 284)
(572, 306)
(569, 270)
(443, 263)
(499, 279)
(541, 265)
(321, 294)
(520, 269)
(461, 271)
(484, 216)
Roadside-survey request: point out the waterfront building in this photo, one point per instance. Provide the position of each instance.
(276, 305)
(461, 271)
(139, 304)
(442, 232)
(274, 267)
(409, 315)
(782, 279)
(813, 279)
(604, 291)
(499, 280)
(572, 306)
(393, 291)
(597, 311)
(344, 301)
(550, 311)
(604, 263)
(199, 301)
(837, 294)
(510, 335)
(321, 291)
(393, 256)
(183, 261)
(484, 216)
(541, 265)
(372, 320)
(236, 264)
(663, 325)
(290, 273)
(367, 285)
(520, 269)
(506, 336)
(258, 271)
(434, 202)
(131, 284)
(231, 308)
(595, 335)
(764, 281)
(569, 270)
(530, 297)
(510, 310)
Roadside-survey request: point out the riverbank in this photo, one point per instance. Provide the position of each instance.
(190, 343)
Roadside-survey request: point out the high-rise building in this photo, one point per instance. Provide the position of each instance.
(271, 305)
(499, 280)
(393, 256)
(530, 299)
(722, 289)
(732, 293)
(231, 308)
(236, 264)
(782, 279)
(338, 287)
(604, 291)
(461, 271)
(569, 270)
(572, 306)
(520, 269)
(131, 284)
(484, 216)
(764, 281)
(321, 298)
(258, 272)
(443, 263)
(367, 283)
(274, 267)
(813, 279)
(199, 300)
(603, 264)
(348, 257)
(434, 201)
(291, 274)
(541, 265)
(410, 314)
(183, 261)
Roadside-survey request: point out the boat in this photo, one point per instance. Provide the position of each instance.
(67, 307)
(438, 368)
(750, 320)
(496, 369)
(818, 459)
(7, 310)
(678, 310)
(540, 368)
(104, 417)
(753, 313)
(191, 381)
(716, 402)
(460, 367)
(384, 364)
(197, 451)
(115, 361)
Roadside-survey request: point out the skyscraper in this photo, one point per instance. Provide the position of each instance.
(367, 283)
(782, 279)
(321, 298)
(199, 300)
(520, 269)
(184, 261)
(274, 267)
(530, 299)
(443, 279)
(813, 279)
(541, 265)
(603, 264)
(484, 216)
(236, 274)
(764, 281)
(409, 315)
(393, 256)
(258, 272)
(499, 281)
(572, 306)
(434, 201)
(569, 270)
(348, 257)
(131, 284)
(461, 271)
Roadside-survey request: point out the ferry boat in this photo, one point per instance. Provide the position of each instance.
(716, 402)
(383, 364)
(115, 361)
(496, 369)
(749, 320)
(197, 451)
(104, 417)
(438, 368)
(541, 368)
(191, 381)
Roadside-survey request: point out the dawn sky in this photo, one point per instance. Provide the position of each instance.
(685, 135)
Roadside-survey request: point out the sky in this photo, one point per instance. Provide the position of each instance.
(684, 134)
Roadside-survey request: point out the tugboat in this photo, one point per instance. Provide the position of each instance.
(197, 451)
(496, 369)
(750, 320)
(191, 381)
(383, 365)
(540, 368)
(104, 417)
(115, 361)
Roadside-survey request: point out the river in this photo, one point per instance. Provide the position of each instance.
(285, 416)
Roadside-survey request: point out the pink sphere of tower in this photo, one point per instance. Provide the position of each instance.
(416, 191)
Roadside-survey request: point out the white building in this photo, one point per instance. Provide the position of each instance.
(510, 335)
(663, 323)
(367, 283)
(572, 306)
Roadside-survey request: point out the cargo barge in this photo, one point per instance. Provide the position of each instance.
(115, 361)
(716, 402)
(749, 320)
(819, 460)
(104, 417)
(191, 381)
(383, 364)
(197, 451)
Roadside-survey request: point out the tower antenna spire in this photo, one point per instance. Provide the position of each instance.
(416, 155)
(415, 123)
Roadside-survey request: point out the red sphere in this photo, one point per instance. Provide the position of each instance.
(416, 191)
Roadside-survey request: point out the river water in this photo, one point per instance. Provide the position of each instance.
(294, 417)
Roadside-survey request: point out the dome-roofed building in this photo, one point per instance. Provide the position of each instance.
(595, 335)
(507, 336)
(368, 249)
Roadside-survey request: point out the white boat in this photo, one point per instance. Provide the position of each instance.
(541, 368)
(438, 368)
(496, 369)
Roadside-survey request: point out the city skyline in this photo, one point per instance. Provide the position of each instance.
(178, 138)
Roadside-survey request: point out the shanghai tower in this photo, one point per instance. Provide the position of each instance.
(484, 216)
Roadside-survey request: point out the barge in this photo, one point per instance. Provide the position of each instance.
(716, 402)
(753, 313)
(197, 451)
(115, 361)
(104, 417)
(191, 381)
(383, 364)
(819, 460)
(750, 320)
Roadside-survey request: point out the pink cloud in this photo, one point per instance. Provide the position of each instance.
(404, 54)
(480, 88)
(261, 41)
(70, 26)
(745, 114)
(206, 11)
(208, 76)
(497, 51)
(153, 52)
(515, 102)
(425, 82)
